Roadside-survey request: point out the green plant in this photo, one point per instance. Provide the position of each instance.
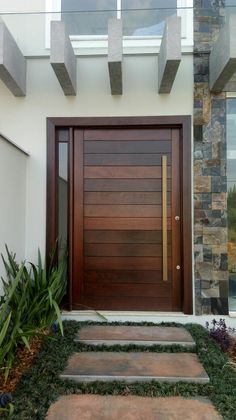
(30, 303)
(231, 364)
(48, 289)
(9, 410)
(6, 405)
(53, 357)
(11, 333)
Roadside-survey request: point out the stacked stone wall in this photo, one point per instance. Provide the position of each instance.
(210, 183)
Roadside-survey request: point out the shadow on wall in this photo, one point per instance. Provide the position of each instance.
(13, 163)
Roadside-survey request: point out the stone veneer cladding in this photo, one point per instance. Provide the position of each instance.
(210, 186)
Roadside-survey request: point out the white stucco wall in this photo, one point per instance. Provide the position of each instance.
(27, 28)
(13, 169)
(24, 119)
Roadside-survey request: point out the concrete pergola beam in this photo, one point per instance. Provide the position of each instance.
(115, 52)
(222, 63)
(63, 59)
(170, 54)
(12, 63)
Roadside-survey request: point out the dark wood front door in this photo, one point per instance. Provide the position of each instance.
(126, 244)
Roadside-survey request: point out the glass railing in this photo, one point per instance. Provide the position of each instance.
(139, 17)
(87, 22)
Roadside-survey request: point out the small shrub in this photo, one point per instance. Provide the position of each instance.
(221, 333)
(30, 303)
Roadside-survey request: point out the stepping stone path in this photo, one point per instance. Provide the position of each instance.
(137, 366)
(147, 336)
(95, 407)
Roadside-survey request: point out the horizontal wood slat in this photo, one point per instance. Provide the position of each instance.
(124, 172)
(124, 185)
(137, 223)
(122, 289)
(123, 210)
(122, 197)
(124, 263)
(127, 146)
(126, 134)
(134, 159)
(124, 236)
(124, 250)
(114, 303)
(118, 276)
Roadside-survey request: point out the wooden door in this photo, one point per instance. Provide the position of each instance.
(126, 227)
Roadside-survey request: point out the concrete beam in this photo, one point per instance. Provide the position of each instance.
(170, 54)
(222, 64)
(115, 51)
(62, 59)
(12, 63)
(231, 84)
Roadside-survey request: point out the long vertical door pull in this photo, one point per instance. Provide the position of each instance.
(164, 219)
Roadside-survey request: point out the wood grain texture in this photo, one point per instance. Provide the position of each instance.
(127, 123)
(127, 172)
(183, 124)
(52, 188)
(138, 223)
(128, 134)
(115, 303)
(118, 210)
(78, 210)
(131, 290)
(134, 159)
(124, 263)
(132, 185)
(107, 162)
(122, 197)
(118, 276)
(119, 250)
(124, 236)
(127, 146)
(70, 219)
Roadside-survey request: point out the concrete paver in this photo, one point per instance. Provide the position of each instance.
(142, 335)
(96, 407)
(135, 367)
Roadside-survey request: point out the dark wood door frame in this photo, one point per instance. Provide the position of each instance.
(61, 129)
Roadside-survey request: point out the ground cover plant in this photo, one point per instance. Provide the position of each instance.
(41, 386)
(29, 305)
(221, 333)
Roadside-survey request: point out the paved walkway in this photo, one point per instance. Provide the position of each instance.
(95, 407)
(133, 367)
(123, 334)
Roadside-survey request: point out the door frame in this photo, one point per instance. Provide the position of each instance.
(183, 123)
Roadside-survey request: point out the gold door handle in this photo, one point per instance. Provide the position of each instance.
(164, 219)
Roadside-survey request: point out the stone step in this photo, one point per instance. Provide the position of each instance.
(109, 407)
(140, 335)
(134, 367)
